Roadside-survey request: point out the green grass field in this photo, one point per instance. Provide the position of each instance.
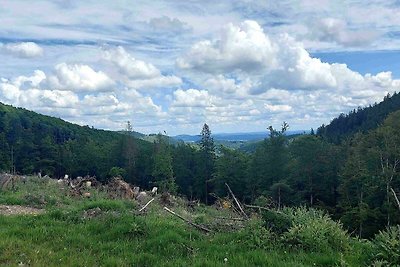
(69, 234)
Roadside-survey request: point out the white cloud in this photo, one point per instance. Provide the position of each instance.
(191, 98)
(129, 66)
(23, 50)
(77, 77)
(31, 81)
(137, 73)
(244, 48)
(278, 108)
(297, 87)
(337, 31)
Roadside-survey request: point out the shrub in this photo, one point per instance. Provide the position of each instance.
(256, 236)
(387, 246)
(313, 230)
(276, 221)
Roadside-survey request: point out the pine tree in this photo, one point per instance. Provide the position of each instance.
(207, 161)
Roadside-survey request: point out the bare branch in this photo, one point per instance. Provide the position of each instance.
(145, 206)
(237, 201)
(395, 197)
(189, 222)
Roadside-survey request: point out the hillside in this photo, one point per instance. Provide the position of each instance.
(360, 120)
(52, 226)
(32, 143)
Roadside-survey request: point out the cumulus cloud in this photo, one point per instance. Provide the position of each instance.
(244, 47)
(137, 73)
(106, 109)
(191, 98)
(77, 77)
(289, 84)
(23, 50)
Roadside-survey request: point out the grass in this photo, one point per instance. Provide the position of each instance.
(118, 236)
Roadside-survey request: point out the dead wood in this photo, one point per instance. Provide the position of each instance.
(237, 202)
(231, 219)
(395, 197)
(145, 206)
(118, 188)
(188, 221)
(261, 208)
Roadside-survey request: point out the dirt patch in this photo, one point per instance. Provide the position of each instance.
(18, 210)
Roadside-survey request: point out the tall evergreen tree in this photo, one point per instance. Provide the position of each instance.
(206, 164)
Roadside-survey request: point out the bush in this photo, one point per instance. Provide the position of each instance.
(256, 236)
(387, 246)
(313, 230)
(276, 221)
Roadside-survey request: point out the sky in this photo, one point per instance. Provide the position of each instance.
(237, 65)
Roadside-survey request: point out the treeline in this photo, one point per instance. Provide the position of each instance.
(359, 120)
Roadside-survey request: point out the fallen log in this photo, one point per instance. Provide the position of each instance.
(232, 219)
(237, 201)
(188, 221)
(145, 206)
(261, 208)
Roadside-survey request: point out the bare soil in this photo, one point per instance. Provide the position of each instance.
(19, 210)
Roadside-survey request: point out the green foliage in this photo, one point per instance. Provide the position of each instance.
(117, 171)
(163, 171)
(314, 230)
(231, 168)
(278, 222)
(387, 246)
(360, 120)
(205, 165)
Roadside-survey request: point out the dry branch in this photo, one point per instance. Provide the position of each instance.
(232, 219)
(262, 208)
(395, 197)
(145, 206)
(187, 221)
(237, 202)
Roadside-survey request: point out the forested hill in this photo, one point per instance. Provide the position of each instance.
(360, 120)
(31, 143)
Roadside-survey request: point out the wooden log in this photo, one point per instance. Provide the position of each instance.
(237, 201)
(145, 206)
(188, 221)
(262, 208)
(230, 219)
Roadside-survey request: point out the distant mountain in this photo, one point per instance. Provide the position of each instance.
(232, 137)
(360, 120)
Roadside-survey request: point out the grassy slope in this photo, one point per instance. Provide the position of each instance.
(118, 237)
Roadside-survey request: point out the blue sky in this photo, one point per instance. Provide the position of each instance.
(238, 65)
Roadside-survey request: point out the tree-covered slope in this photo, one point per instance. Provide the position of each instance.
(360, 120)
(31, 143)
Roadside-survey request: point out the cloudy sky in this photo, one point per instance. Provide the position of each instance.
(239, 65)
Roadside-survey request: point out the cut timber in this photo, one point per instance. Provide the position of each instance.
(262, 208)
(189, 222)
(232, 219)
(145, 206)
(237, 201)
(257, 207)
(395, 196)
